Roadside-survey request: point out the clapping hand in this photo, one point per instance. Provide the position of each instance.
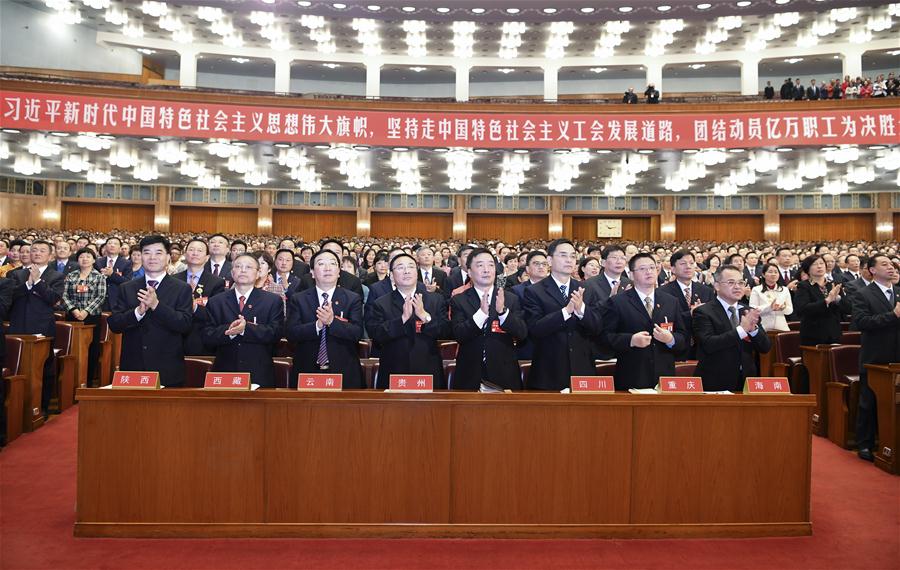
(750, 320)
(407, 310)
(148, 297)
(418, 303)
(641, 339)
(325, 315)
(576, 300)
(833, 294)
(500, 301)
(662, 335)
(237, 326)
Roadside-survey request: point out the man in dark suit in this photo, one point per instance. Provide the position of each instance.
(434, 279)
(218, 264)
(245, 324)
(652, 94)
(115, 268)
(203, 286)
(325, 322)
(787, 90)
(486, 321)
(611, 281)
(689, 295)
(856, 268)
(536, 268)
(727, 334)
(799, 91)
(630, 97)
(769, 91)
(407, 325)
(4, 252)
(812, 92)
(62, 262)
(283, 272)
(458, 275)
(559, 323)
(876, 314)
(643, 327)
(346, 280)
(153, 314)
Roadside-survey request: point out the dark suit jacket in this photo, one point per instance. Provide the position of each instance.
(154, 342)
(342, 336)
(819, 323)
(403, 350)
(455, 279)
(208, 286)
(224, 271)
(6, 298)
(253, 351)
(874, 317)
(346, 280)
(812, 93)
(699, 292)
(562, 347)
(597, 292)
(724, 359)
(121, 274)
(837, 275)
(625, 315)
(782, 282)
(525, 350)
(439, 278)
(32, 311)
(67, 268)
(501, 366)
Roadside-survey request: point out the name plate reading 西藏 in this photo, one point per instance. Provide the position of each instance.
(227, 381)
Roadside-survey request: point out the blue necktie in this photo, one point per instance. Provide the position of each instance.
(562, 290)
(322, 356)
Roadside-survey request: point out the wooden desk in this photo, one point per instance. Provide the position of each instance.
(279, 463)
(815, 358)
(884, 380)
(766, 359)
(82, 335)
(34, 354)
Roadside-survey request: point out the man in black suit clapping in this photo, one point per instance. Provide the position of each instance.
(689, 294)
(203, 286)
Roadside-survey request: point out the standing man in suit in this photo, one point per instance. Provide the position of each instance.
(876, 313)
(536, 268)
(115, 268)
(612, 279)
(560, 325)
(435, 280)
(244, 325)
(284, 269)
(325, 322)
(218, 264)
(459, 275)
(644, 328)
(486, 321)
(203, 286)
(153, 314)
(62, 262)
(855, 267)
(689, 294)
(727, 334)
(407, 325)
(346, 280)
(386, 285)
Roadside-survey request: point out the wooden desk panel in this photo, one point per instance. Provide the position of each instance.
(884, 380)
(283, 463)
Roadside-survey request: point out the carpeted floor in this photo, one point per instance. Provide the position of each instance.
(855, 510)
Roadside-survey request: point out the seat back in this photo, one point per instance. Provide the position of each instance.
(283, 348)
(364, 348)
(605, 368)
(524, 369)
(794, 325)
(62, 342)
(104, 327)
(787, 346)
(14, 349)
(449, 372)
(195, 369)
(448, 349)
(370, 369)
(686, 368)
(283, 368)
(844, 361)
(850, 337)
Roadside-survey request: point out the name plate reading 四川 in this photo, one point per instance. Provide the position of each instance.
(680, 385)
(593, 385)
(767, 385)
(320, 382)
(136, 380)
(411, 383)
(227, 381)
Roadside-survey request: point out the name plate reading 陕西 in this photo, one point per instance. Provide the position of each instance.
(320, 382)
(680, 385)
(767, 385)
(147, 380)
(411, 383)
(593, 385)
(227, 381)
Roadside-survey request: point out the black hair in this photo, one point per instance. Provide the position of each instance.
(463, 248)
(678, 255)
(640, 255)
(611, 249)
(534, 253)
(808, 261)
(198, 240)
(153, 240)
(223, 236)
(86, 250)
(873, 260)
(312, 260)
(583, 263)
(327, 241)
(551, 247)
(238, 242)
(726, 267)
(477, 251)
(284, 250)
(509, 257)
(404, 254)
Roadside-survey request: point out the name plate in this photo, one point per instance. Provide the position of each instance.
(320, 382)
(411, 383)
(136, 380)
(227, 381)
(593, 385)
(767, 385)
(680, 385)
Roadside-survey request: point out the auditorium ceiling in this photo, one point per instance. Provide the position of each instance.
(176, 162)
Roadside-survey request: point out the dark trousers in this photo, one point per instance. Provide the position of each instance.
(94, 349)
(866, 419)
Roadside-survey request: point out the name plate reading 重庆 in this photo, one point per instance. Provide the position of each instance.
(227, 381)
(320, 382)
(767, 385)
(411, 383)
(136, 380)
(680, 385)
(593, 385)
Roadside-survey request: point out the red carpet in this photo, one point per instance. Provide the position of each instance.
(855, 508)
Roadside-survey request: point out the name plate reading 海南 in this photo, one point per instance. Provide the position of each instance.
(767, 385)
(593, 385)
(411, 383)
(227, 381)
(320, 382)
(136, 380)
(680, 385)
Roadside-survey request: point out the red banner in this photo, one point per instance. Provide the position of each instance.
(116, 116)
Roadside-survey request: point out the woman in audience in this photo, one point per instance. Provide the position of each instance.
(380, 270)
(137, 267)
(367, 264)
(711, 263)
(264, 279)
(589, 267)
(83, 297)
(772, 300)
(13, 260)
(175, 264)
(510, 268)
(818, 304)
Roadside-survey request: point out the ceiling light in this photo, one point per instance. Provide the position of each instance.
(521, 151)
(793, 60)
(339, 5)
(478, 10)
(443, 10)
(482, 150)
(704, 6)
(417, 69)
(598, 69)
(505, 70)
(782, 2)
(743, 3)
(146, 51)
(697, 65)
(587, 10)
(894, 52)
(240, 59)
(625, 9)
(664, 8)
(150, 139)
(784, 149)
(373, 7)
(195, 141)
(12, 131)
(549, 10)
(331, 65)
(408, 9)
(59, 134)
(304, 3)
(512, 10)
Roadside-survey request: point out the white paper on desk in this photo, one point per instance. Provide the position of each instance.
(254, 387)
(565, 390)
(107, 387)
(485, 389)
(719, 392)
(642, 391)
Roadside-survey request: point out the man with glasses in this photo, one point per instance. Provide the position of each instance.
(536, 268)
(727, 333)
(203, 286)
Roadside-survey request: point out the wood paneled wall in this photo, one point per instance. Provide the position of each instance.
(897, 226)
(193, 219)
(719, 227)
(18, 211)
(104, 217)
(633, 228)
(413, 224)
(313, 225)
(799, 227)
(509, 228)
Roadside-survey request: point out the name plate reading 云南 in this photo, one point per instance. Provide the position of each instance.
(593, 385)
(227, 381)
(320, 382)
(147, 380)
(411, 383)
(767, 385)
(680, 385)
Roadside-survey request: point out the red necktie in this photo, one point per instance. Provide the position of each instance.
(241, 300)
(216, 269)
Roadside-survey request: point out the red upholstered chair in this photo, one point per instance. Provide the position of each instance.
(794, 325)
(364, 348)
(195, 369)
(448, 349)
(605, 368)
(369, 369)
(686, 368)
(843, 394)
(789, 360)
(850, 337)
(13, 388)
(449, 372)
(525, 368)
(107, 354)
(66, 367)
(283, 348)
(283, 368)
(845, 325)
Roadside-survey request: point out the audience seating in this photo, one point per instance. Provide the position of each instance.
(13, 388)
(686, 368)
(789, 361)
(365, 348)
(794, 325)
(283, 368)
(284, 349)
(449, 372)
(195, 369)
(850, 337)
(369, 369)
(525, 368)
(843, 394)
(448, 349)
(66, 367)
(605, 367)
(817, 361)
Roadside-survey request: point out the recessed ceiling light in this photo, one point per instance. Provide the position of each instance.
(782, 2)
(549, 10)
(587, 9)
(339, 5)
(408, 9)
(59, 134)
(784, 149)
(512, 10)
(400, 148)
(743, 3)
(478, 10)
(374, 7)
(443, 10)
(521, 151)
(304, 4)
(625, 9)
(664, 8)
(150, 139)
(704, 6)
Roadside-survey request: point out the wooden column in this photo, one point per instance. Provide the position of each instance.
(771, 218)
(364, 215)
(52, 214)
(459, 217)
(264, 213)
(34, 354)
(884, 218)
(161, 209)
(555, 219)
(667, 219)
